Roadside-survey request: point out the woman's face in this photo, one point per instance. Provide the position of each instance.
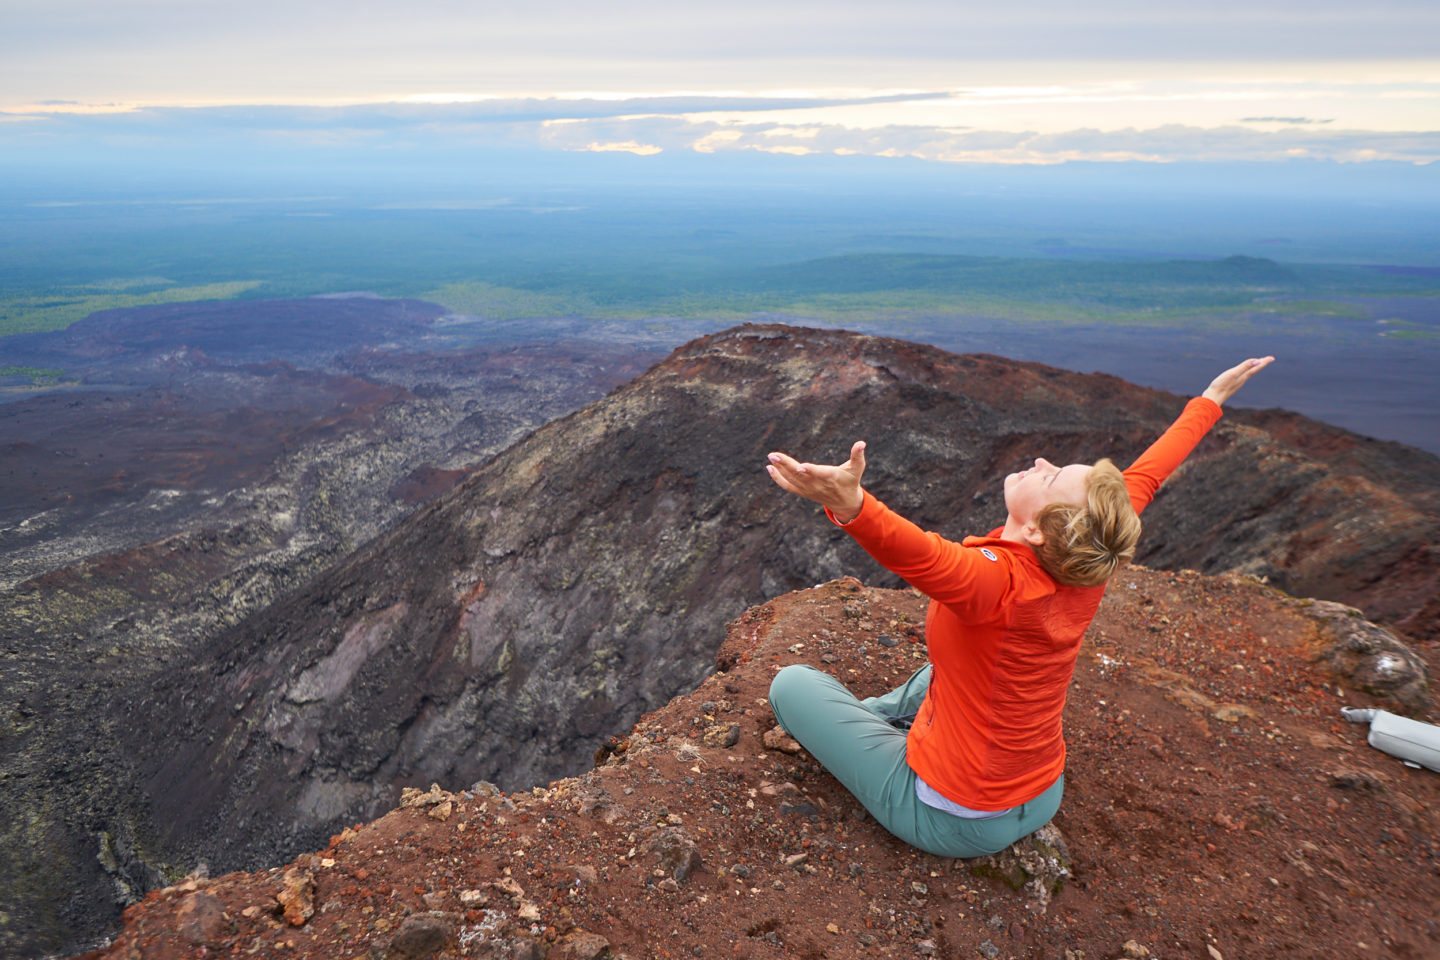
(1032, 490)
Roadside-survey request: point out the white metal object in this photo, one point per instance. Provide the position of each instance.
(1418, 744)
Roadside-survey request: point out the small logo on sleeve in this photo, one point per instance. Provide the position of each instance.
(988, 555)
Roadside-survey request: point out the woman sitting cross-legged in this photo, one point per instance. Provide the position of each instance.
(982, 763)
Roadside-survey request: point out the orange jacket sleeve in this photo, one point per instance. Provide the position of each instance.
(966, 578)
(972, 580)
(1155, 464)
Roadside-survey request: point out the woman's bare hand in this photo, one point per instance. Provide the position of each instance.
(1223, 387)
(836, 487)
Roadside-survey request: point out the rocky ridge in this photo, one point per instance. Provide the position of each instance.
(1215, 806)
(584, 576)
(574, 581)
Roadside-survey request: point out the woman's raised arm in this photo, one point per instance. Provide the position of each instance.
(943, 570)
(1144, 476)
(1223, 387)
(836, 488)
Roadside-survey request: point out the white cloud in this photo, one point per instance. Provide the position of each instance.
(626, 146)
(938, 131)
(1287, 121)
(716, 140)
(1163, 144)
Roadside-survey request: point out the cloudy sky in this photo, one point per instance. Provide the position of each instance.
(1031, 81)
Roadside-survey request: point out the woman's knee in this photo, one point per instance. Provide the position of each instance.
(790, 683)
(794, 687)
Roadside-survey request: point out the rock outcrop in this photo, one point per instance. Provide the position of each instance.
(506, 629)
(1251, 823)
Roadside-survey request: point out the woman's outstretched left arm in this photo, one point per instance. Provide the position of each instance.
(961, 577)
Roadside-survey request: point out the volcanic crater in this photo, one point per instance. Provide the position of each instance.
(505, 629)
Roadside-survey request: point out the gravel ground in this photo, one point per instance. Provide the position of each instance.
(1217, 806)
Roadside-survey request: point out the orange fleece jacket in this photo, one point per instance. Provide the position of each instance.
(1003, 637)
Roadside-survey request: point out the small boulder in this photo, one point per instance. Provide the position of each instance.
(510, 887)
(722, 735)
(297, 895)
(600, 805)
(675, 853)
(581, 945)
(1368, 657)
(201, 920)
(413, 797)
(1038, 864)
(1358, 779)
(777, 739)
(423, 935)
(1232, 712)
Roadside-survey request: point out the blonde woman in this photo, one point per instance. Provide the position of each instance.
(982, 763)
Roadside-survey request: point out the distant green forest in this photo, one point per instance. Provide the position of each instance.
(629, 262)
(853, 287)
(867, 287)
(874, 286)
(57, 309)
(35, 376)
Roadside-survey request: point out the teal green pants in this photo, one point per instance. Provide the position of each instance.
(854, 740)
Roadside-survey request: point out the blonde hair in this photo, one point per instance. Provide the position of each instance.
(1084, 546)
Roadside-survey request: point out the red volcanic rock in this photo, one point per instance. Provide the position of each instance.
(297, 895)
(1270, 832)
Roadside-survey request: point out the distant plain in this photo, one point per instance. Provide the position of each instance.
(1158, 281)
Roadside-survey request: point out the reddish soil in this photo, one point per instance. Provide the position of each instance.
(1217, 806)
